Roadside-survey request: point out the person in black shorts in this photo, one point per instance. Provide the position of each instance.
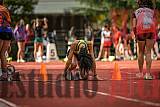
(5, 37)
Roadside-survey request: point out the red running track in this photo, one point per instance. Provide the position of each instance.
(130, 91)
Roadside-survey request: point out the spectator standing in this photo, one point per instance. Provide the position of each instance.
(88, 33)
(20, 35)
(105, 43)
(39, 27)
(30, 33)
(117, 42)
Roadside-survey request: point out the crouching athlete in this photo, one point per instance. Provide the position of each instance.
(81, 54)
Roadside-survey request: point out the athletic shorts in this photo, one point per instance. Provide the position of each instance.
(6, 35)
(20, 40)
(107, 44)
(143, 37)
(38, 40)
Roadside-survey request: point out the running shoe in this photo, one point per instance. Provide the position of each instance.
(4, 76)
(139, 75)
(22, 60)
(18, 60)
(97, 59)
(148, 76)
(104, 59)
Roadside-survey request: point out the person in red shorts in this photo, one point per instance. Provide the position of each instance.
(106, 36)
(144, 27)
(117, 42)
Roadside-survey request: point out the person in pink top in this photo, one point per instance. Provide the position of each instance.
(144, 27)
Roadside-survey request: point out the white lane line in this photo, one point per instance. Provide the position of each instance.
(120, 97)
(127, 99)
(100, 93)
(8, 103)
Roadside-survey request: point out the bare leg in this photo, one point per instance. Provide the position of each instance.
(156, 49)
(105, 54)
(6, 44)
(41, 49)
(35, 50)
(1, 45)
(108, 52)
(100, 52)
(73, 64)
(72, 67)
(23, 50)
(141, 49)
(149, 47)
(19, 50)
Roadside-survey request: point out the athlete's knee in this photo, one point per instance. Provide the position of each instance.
(23, 49)
(140, 56)
(148, 55)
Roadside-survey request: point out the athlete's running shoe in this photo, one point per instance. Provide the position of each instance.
(139, 75)
(4, 76)
(148, 76)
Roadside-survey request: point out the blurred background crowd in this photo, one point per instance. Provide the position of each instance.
(41, 25)
(30, 42)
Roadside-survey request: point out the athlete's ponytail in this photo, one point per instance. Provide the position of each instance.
(86, 61)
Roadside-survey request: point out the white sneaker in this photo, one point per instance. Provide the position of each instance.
(39, 60)
(139, 75)
(148, 76)
(132, 57)
(97, 59)
(21, 60)
(18, 60)
(104, 59)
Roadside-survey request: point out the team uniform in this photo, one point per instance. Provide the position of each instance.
(107, 39)
(144, 27)
(5, 28)
(146, 24)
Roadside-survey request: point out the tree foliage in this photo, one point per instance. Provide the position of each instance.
(20, 8)
(107, 6)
